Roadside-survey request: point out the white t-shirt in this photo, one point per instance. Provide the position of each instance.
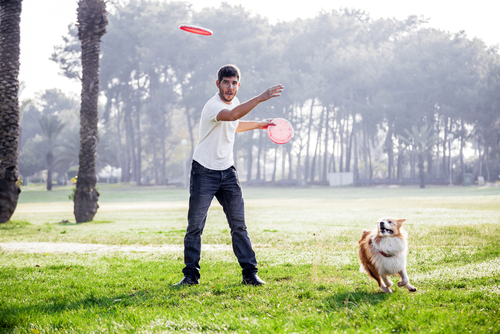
(215, 146)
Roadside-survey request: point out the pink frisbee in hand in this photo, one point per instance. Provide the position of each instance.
(282, 132)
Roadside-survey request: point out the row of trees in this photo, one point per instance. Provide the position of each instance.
(359, 92)
(380, 98)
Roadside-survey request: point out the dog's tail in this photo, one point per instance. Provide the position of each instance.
(363, 236)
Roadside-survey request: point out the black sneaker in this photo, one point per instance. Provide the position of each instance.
(252, 279)
(187, 280)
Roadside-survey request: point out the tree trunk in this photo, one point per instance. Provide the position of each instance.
(486, 163)
(421, 172)
(283, 162)
(317, 148)
(164, 160)
(130, 143)
(49, 158)
(370, 170)
(275, 165)
(365, 151)
(446, 169)
(341, 144)
(120, 148)
(333, 167)
(308, 142)
(349, 144)
(429, 164)
(250, 159)
(462, 143)
(324, 177)
(155, 161)
(92, 23)
(356, 159)
(191, 133)
(10, 14)
(399, 163)
(390, 152)
(138, 140)
(259, 154)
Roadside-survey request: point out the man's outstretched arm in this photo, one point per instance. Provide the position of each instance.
(244, 108)
(252, 125)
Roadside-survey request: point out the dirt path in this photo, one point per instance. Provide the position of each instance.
(72, 247)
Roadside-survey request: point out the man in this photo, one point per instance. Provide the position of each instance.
(213, 174)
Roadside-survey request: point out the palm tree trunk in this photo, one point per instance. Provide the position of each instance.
(10, 13)
(92, 23)
(49, 158)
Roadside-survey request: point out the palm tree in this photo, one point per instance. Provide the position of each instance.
(10, 18)
(92, 22)
(421, 140)
(51, 128)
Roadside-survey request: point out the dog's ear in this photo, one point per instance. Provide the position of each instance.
(400, 221)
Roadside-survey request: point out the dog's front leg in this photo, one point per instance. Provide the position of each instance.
(405, 281)
(387, 281)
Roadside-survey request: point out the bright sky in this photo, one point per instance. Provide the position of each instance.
(44, 22)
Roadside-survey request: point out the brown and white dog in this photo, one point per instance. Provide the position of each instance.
(382, 253)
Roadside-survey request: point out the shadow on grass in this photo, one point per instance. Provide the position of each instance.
(94, 222)
(353, 300)
(14, 317)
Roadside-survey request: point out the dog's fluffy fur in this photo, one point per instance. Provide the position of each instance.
(382, 253)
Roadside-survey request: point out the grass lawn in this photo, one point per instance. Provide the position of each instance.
(306, 244)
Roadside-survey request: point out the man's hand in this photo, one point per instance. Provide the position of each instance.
(271, 92)
(266, 123)
(254, 125)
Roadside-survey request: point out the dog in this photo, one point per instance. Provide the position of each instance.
(382, 253)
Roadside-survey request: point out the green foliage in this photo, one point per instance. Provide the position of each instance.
(71, 196)
(51, 127)
(32, 156)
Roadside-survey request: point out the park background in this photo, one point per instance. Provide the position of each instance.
(399, 105)
(381, 98)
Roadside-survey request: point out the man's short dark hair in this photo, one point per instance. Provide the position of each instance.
(228, 71)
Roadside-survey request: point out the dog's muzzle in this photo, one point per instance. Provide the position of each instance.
(383, 229)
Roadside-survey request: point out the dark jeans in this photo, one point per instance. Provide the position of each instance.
(225, 186)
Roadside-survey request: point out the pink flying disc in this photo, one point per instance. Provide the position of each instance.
(282, 132)
(196, 29)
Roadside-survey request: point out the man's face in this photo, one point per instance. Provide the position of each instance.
(228, 88)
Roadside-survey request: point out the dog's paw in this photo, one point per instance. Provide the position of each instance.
(389, 283)
(402, 283)
(386, 289)
(411, 288)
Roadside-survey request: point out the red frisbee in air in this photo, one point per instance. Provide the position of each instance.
(282, 132)
(196, 29)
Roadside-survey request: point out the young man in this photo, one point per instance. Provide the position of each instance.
(213, 174)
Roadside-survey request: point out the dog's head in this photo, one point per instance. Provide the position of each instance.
(390, 227)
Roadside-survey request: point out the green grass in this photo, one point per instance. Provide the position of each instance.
(306, 244)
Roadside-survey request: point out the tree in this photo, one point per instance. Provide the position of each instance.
(10, 14)
(421, 140)
(51, 128)
(92, 23)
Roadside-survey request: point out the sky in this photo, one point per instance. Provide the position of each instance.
(43, 23)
